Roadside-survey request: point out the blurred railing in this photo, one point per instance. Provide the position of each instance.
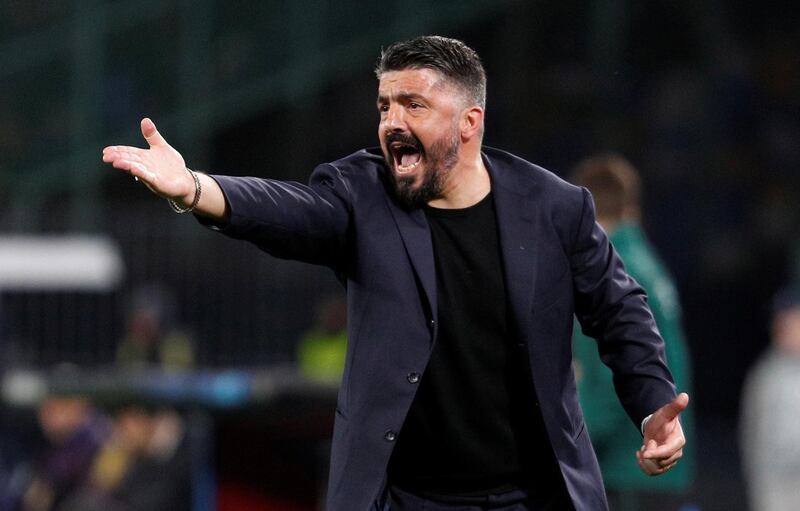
(238, 305)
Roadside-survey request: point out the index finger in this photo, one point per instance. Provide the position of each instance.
(117, 152)
(674, 408)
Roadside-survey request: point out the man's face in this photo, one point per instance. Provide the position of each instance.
(419, 132)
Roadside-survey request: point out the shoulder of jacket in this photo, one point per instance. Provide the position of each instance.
(528, 173)
(363, 164)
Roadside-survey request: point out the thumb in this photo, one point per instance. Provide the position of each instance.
(151, 134)
(671, 410)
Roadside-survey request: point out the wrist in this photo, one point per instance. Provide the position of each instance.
(189, 201)
(187, 197)
(644, 423)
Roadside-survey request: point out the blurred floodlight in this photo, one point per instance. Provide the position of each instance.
(75, 263)
(23, 388)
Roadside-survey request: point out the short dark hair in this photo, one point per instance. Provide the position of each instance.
(456, 61)
(613, 181)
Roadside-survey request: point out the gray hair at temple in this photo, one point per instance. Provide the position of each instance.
(456, 61)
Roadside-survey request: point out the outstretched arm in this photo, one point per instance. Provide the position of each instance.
(163, 170)
(663, 438)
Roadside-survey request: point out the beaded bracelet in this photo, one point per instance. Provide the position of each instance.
(197, 191)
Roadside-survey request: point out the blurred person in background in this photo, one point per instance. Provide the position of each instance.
(144, 466)
(770, 414)
(151, 336)
(321, 351)
(74, 431)
(616, 187)
(464, 266)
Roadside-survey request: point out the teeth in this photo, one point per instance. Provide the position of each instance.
(407, 168)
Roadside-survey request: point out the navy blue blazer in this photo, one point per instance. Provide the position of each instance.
(558, 262)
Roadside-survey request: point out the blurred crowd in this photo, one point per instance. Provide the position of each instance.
(127, 455)
(132, 459)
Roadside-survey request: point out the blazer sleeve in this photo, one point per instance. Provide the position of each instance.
(612, 308)
(290, 220)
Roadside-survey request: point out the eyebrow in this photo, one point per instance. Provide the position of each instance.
(403, 96)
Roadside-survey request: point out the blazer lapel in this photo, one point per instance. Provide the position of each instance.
(514, 209)
(416, 236)
(515, 212)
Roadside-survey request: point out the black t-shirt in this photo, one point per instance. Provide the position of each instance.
(474, 425)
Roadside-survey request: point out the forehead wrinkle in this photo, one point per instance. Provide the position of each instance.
(424, 78)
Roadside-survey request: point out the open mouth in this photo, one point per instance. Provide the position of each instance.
(407, 156)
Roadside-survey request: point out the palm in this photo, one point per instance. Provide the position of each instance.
(160, 167)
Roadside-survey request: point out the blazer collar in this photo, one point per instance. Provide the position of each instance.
(512, 191)
(416, 235)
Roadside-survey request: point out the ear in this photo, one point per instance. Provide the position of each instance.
(471, 123)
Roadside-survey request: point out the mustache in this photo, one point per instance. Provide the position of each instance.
(404, 138)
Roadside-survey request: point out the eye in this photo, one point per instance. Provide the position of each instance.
(414, 106)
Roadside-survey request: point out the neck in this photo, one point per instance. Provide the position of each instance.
(467, 184)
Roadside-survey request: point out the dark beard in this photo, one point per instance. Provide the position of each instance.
(439, 160)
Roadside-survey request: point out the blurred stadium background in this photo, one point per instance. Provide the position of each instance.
(703, 97)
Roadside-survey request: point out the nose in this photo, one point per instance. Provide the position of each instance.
(394, 120)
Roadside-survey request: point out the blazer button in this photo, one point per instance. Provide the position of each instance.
(432, 324)
(390, 436)
(412, 377)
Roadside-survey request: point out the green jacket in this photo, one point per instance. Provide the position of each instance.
(614, 438)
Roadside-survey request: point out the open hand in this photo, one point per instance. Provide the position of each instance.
(663, 438)
(160, 167)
